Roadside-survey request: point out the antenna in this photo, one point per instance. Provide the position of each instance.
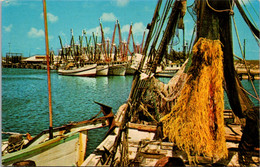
(9, 47)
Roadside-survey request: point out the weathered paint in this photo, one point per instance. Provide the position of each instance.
(29, 153)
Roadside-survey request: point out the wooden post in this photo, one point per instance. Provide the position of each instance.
(48, 68)
(83, 140)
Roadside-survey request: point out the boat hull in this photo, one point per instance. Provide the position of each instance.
(117, 69)
(130, 71)
(59, 151)
(86, 71)
(67, 148)
(166, 73)
(102, 70)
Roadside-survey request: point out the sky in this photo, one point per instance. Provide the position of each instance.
(22, 26)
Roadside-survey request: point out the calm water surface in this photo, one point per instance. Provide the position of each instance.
(25, 99)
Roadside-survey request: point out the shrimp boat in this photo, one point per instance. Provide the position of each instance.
(168, 70)
(87, 70)
(117, 68)
(168, 124)
(133, 64)
(102, 69)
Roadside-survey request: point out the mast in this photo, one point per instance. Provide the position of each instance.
(48, 68)
(113, 40)
(128, 39)
(120, 37)
(87, 49)
(95, 45)
(72, 46)
(103, 40)
(168, 34)
(141, 49)
(62, 50)
(134, 46)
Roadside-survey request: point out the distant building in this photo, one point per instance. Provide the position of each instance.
(40, 59)
(37, 59)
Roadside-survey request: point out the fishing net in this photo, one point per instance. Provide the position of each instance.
(158, 98)
(196, 122)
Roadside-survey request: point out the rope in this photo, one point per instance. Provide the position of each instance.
(147, 112)
(250, 94)
(15, 146)
(253, 8)
(240, 46)
(159, 30)
(249, 14)
(223, 10)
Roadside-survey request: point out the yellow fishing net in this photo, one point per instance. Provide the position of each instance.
(196, 122)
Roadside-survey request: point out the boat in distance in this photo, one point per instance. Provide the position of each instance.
(117, 68)
(88, 70)
(102, 69)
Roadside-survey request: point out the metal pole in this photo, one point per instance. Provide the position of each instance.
(9, 47)
(244, 48)
(184, 43)
(48, 68)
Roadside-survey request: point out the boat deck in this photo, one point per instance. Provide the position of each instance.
(143, 150)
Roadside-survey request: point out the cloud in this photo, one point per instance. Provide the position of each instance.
(107, 30)
(9, 2)
(97, 31)
(109, 17)
(52, 18)
(138, 28)
(8, 28)
(34, 33)
(50, 37)
(125, 28)
(122, 2)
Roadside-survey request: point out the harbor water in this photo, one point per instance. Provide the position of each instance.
(25, 100)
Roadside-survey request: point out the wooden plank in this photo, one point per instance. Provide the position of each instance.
(235, 139)
(140, 127)
(60, 155)
(83, 139)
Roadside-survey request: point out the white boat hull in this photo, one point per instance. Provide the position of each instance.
(86, 71)
(167, 72)
(102, 70)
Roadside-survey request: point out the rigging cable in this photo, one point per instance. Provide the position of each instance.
(240, 46)
(159, 30)
(253, 8)
(253, 29)
(249, 93)
(249, 14)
